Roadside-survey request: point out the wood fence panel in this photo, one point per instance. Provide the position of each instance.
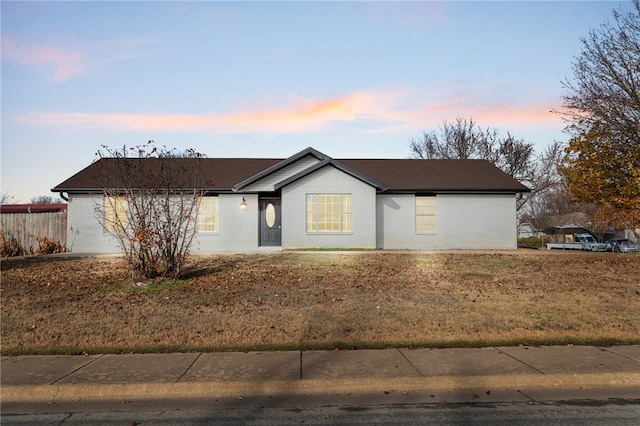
(26, 228)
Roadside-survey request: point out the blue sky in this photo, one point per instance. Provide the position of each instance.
(268, 79)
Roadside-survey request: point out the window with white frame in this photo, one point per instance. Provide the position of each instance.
(329, 213)
(425, 214)
(207, 219)
(115, 213)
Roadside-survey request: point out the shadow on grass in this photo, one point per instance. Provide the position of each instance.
(22, 262)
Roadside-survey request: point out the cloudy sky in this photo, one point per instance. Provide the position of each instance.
(268, 79)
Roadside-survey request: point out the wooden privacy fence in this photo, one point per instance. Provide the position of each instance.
(26, 228)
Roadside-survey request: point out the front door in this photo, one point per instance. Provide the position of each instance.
(270, 222)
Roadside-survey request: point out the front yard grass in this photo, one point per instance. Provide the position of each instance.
(323, 300)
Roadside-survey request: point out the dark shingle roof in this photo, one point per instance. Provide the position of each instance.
(436, 175)
(218, 173)
(221, 174)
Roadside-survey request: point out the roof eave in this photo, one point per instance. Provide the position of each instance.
(453, 191)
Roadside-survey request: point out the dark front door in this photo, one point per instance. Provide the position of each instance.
(270, 222)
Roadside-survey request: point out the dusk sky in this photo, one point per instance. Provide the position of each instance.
(268, 79)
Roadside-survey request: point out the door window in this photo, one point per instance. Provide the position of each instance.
(270, 215)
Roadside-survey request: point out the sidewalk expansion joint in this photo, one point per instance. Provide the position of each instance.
(188, 368)
(300, 377)
(76, 370)
(519, 360)
(616, 353)
(410, 363)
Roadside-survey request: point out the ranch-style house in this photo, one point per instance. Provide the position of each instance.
(311, 200)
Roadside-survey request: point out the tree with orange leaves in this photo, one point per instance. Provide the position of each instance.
(602, 169)
(602, 107)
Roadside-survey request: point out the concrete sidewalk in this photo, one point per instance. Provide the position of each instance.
(407, 375)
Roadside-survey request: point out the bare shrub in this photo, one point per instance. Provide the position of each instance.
(48, 246)
(9, 246)
(150, 202)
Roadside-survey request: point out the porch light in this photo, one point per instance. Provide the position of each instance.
(243, 204)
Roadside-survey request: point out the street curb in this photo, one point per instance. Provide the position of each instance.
(314, 387)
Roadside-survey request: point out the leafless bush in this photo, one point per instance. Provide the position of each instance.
(150, 202)
(9, 246)
(48, 246)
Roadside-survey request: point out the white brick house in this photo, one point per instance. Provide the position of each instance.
(312, 200)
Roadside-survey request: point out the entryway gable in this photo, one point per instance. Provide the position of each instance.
(269, 182)
(379, 186)
(268, 178)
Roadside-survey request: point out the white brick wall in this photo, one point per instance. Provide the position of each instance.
(238, 229)
(86, 234)
(462, 222)
(328, 180)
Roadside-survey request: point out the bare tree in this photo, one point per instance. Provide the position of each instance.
(6, 198)
(45, 199)
(605, 88)
(464, 139)
(544, 180)
(150, 205)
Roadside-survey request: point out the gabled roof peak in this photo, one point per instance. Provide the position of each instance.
(281, 165)
(338, 165)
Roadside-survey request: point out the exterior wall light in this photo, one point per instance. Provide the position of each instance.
(243, 204)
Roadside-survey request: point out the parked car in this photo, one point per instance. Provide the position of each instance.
(582, 241)
(622, 245)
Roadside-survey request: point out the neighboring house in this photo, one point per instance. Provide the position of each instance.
(526, 230)
(311, 200)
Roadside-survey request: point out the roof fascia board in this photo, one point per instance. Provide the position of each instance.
(282, 164)
(453, 191)
(102, 190)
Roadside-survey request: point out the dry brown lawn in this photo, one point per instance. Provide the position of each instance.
(323, 299)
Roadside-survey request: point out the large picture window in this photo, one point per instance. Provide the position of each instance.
(425, 214)
(115, 214)
(329, 213)
(207, 220)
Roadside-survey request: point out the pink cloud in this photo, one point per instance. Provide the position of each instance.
(66, 62)
(379, 112)
(299, 115)
(484, 109)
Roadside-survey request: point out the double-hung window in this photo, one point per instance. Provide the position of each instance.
(425, 214)
(207, 218)
(330, 213)
(115, 214)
